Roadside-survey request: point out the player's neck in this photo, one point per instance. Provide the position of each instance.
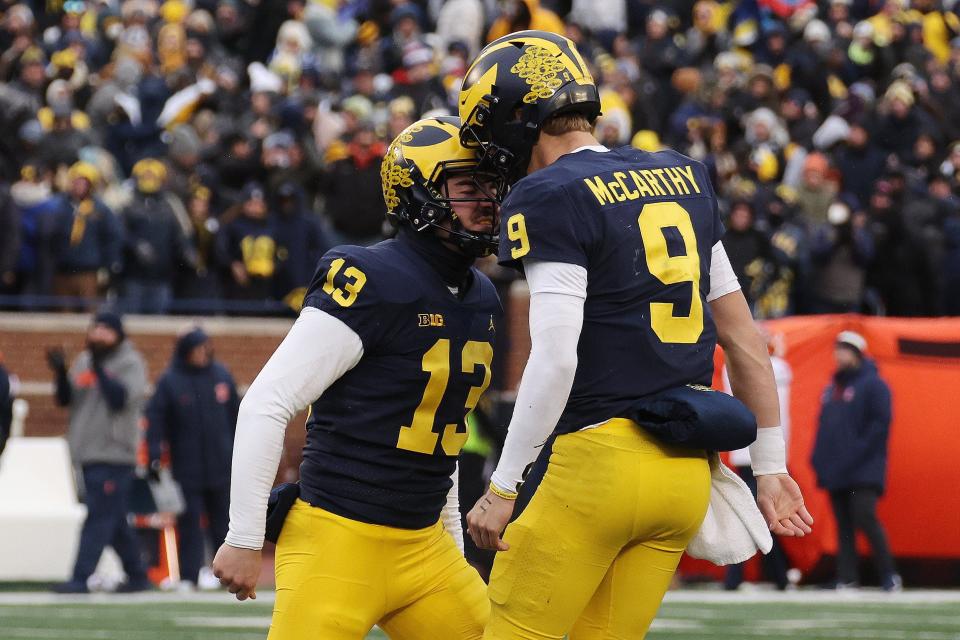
(549, 148)
(451, 265)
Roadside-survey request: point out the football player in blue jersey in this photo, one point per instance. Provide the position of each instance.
(630, 292)
(392, 349)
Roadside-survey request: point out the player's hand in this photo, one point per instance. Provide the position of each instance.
(56, 359)
(487, 520)
(238, 570)
(781, 504)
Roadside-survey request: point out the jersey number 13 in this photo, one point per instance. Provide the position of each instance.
(419, 436)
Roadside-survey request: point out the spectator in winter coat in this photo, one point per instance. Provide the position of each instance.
(519, 15)
(860, 161)
(841, 252)
(36, 209)
(904, 277)
(816, 191)
(9, 239)
(300, 243)
(104, 391)
(951, 265)
(850, 457)
(248, 246)
(193, 414)
(903, 121)
(749, 251)
(200, 279)
(461, 21)
(87, 238)
(154, 246)
(351, 185)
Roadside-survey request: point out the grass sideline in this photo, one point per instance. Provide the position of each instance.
(685, 615)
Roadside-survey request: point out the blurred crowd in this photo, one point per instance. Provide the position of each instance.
(200, 155)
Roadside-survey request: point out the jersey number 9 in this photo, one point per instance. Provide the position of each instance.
(653, 219)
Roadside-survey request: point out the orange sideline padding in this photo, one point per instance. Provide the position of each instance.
(920, 360)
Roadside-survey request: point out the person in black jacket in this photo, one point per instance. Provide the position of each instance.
(351, 186)
(154, 246)
(300, 243)
(194, 413)
(850, 457)
(86, 239)
(248, 246)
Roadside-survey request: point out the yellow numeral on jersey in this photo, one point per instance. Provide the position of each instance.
(357, 280)
(420, 436)
(653, 219)
(258, 255)
(517, 232)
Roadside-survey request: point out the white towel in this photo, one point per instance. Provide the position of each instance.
(733, 529)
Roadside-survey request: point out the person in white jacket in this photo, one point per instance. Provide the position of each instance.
(392, 349)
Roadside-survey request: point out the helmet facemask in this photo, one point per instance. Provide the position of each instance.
(417, 173)
(484, 187)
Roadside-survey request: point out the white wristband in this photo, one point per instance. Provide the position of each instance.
(768, 453)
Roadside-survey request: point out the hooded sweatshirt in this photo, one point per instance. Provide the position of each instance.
(97, 433)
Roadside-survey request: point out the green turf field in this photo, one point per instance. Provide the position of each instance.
(686, 615)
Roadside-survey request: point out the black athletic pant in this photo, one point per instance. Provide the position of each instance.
(856, 510)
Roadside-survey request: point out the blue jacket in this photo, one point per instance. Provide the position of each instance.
(100, 242)
(195, 412)
(851, 446)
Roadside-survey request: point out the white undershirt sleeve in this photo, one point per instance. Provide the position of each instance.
(722, 278)
(450, 516)
(557, 294)
(315, 353)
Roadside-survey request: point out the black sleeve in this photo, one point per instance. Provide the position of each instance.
(113, 391)
(63, 392)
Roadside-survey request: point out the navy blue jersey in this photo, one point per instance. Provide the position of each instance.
(383, 440)
(643, 225)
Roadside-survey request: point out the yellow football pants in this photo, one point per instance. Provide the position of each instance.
(594, 551)
(337, 577)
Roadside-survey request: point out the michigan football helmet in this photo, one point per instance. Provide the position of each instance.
(414, 176)
(515, 84)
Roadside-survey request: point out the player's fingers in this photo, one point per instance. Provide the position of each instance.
(501, 545)
(800, 524)
(769, 513)
(805, 515)
(797, 532)
(472, 529)
(779, 530)
(493, 538)
(484, 537)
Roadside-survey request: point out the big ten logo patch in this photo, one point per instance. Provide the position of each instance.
(430, 319)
